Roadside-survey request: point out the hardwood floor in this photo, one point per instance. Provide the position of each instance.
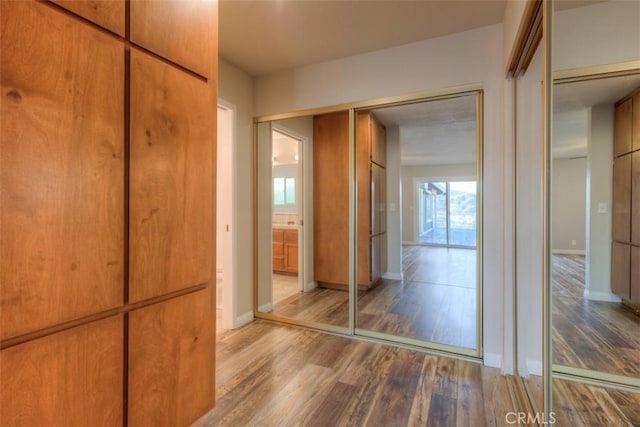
(272, 374)
(597, 335)
(435, 302)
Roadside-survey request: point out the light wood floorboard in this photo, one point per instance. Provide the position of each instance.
(271, 374)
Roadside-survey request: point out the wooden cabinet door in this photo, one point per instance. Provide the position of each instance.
(378, 142)
(71, 378)
(172, 361)
(61, 169)
(623, 128)
(634, 281)
(635, 197)
(620, 270)
(622, 198)
(291, 250)
(184, 32)
(636, 122)
(172, 191)
(278, 262)
(106, 13)
(331, 197)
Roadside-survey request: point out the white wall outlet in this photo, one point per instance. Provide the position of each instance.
(602, 208)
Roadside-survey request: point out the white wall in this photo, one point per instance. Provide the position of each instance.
(236, 87)
(568, 205)
(599, 191)
(602, 33)
(471, 57)
(437, 173)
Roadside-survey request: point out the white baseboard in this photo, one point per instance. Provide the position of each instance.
(493, 360)
(243, 319)
(265, 308)
(534, 367)
(568, 252)
(600, 296)
(392, 276)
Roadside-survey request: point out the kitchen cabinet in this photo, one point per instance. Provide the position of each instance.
(331, 199)
(285, 250)
(625, 255)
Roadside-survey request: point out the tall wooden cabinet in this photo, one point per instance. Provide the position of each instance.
(331, 199)
(107, 210)
(625, 273)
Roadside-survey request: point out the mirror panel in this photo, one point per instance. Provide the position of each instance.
(418, 223)
(595, 332)
(303, 219)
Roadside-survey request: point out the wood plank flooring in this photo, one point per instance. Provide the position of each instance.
(271, 374)
(597, 335)
(435, 302)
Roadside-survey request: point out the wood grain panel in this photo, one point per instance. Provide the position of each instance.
(620, 269)
(622, 199)
(364, 177)
(61, 169)
(172, 179)
(634, 284)
(622, 141)
(331, 197)
(72, 378)
(106, 13)
(636, 122)
(635, 197)
(184, 32)
(171, 361)
(378, 142)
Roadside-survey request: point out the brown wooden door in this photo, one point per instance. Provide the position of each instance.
(636, 122)
(634, 280)
(622, 198)
(623, 129)
(635, 197)
(620, 270)
(172, 28)
(109, 14)
(62, 164)
(171, 180)
(378, 142)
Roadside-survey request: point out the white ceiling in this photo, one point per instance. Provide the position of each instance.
(261, 36)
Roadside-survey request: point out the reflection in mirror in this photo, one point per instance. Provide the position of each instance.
(418, 223)
(528, 194)
(303, 218)
(595, 293)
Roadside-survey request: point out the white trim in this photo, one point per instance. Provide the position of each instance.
(392, 276)
(493, 360)
(243, 319)
(408, 243)
(600, 296)
(568, 252)
(265, 308)
(230, 286)
(534, 367)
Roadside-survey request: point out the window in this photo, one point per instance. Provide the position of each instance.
(284, 191)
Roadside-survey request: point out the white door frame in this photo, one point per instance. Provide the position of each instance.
(226, 210)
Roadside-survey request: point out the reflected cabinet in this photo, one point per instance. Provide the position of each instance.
(625, 251)
(331, 193)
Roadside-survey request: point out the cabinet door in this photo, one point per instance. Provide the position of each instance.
(278, 250)
(291, 250)
(172, 179)
(72, 378)
(184, 32)
(623, 128)
(636, 122)
(635, 197)
(378, 142)
(106, 13)
(634, 286)
(620, 270)
(622, 199)
(61, 169)
(171, 361)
